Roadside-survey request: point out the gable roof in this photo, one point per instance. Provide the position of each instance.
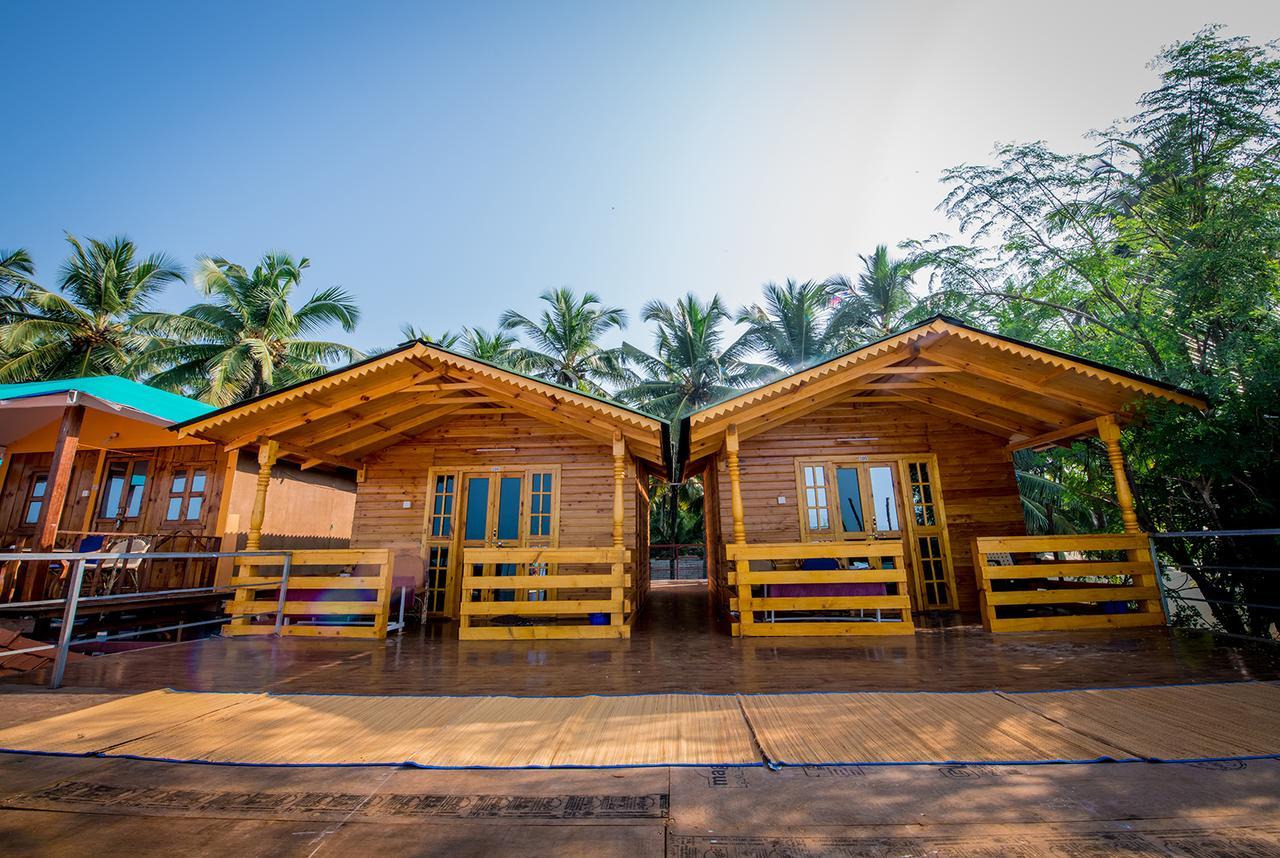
(352, 412)
(999, 384)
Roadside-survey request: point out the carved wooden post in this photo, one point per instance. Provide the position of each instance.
(267, 454)
(1109, 432)
(735, 486)
(619, 479)
(746, 616)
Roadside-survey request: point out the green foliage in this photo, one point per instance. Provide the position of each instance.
(248, 339)
(87, 327)
(878, 301)
(688, 529)
(1156, 252)
(690, 365)
(565, 341)
(797, 325)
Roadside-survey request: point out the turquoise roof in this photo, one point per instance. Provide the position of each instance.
(121, 391)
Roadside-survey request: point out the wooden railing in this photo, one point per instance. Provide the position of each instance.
(544, 593)
(1020, 589)
(887, 613)
(338, 593)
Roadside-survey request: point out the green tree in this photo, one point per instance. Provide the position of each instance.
(876, 302)
(1156, 252)
(496, 347)
(565, 341)
(248, 339)
(17, 271)
(690, 365)
(87, 327)
(445, 339)
(799, 324)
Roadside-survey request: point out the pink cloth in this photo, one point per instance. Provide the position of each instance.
(782, 591)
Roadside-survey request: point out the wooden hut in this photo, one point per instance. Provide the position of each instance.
(520, 507)
(91, 462)
(844, 497)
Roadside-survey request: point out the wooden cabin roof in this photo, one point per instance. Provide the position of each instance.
(1030, 395)
(351, 413)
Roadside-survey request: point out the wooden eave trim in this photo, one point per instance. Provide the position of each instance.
(795, 380)
(521, 382)
(1093, 372)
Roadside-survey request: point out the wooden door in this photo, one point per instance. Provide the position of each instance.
(498, 507)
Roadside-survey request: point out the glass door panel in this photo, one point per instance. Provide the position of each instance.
(884, 496)
(849, 486)
(507, 527)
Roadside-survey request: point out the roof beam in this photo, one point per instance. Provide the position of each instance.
(997, 425)
(1048, 439)
(285, 422)
(399, 430)
(1005, 402)
(1035, 385)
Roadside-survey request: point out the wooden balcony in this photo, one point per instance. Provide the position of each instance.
(571, 593)
(773, 591)
(1042, 583)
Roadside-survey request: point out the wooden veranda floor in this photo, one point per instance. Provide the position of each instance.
(678, 646)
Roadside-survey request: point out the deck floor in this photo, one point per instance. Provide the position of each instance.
(677, 645)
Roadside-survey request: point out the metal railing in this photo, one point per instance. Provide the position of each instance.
(72, 601)
(1221, 580)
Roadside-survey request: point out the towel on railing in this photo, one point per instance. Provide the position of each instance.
(783, 591)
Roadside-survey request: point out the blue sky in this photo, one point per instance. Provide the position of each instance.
(446, 162)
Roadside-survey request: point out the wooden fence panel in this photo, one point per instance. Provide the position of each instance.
(307, 611)
(887, 568)
(1064, 593)
(552, 594)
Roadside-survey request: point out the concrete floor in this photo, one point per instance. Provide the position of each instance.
(71, 806)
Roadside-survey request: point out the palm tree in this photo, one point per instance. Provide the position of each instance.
(496, 347)
(689, 367)
(87, 327)
(798, 324)
(247, 341)
(17, 271)
(445, 339)
(880, 298)
(565, 338)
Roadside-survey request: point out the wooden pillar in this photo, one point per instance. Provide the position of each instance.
(619, 481)
(1109, 432)
(267, 454)
(746, 615)
(64, 457)
(735, 486)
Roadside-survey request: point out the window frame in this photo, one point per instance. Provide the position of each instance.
(188, 472)
(131, 464)
(29, 497)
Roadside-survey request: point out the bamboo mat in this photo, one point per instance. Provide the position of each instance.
(1161, 723)
(1172, 722)
(871, 727)
(101, 728)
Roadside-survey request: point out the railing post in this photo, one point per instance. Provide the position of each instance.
(68, 622)
(284, 592)
(1164, 592)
